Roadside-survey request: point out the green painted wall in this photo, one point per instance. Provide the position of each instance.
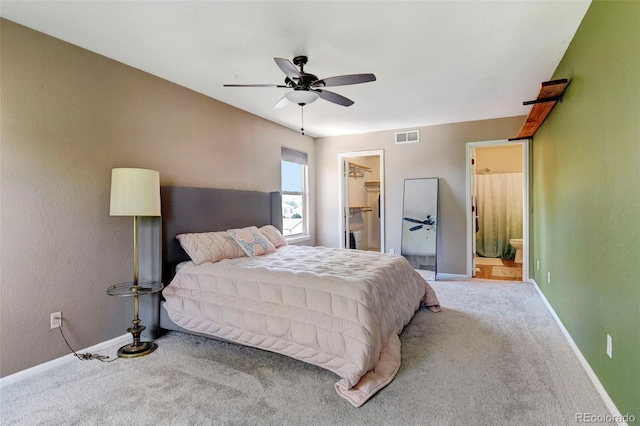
(586, 197)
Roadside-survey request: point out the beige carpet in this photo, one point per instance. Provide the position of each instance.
(427, 275)
(492, 356)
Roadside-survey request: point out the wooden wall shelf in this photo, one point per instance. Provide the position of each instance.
(550, 93)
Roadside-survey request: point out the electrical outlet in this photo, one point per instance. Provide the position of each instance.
(56, 320)
(548, 277)
(538, 265)
(609, 346)
(392, 251)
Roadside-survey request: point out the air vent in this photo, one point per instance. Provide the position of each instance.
(411, 136)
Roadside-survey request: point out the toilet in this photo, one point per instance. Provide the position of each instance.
(516, 243)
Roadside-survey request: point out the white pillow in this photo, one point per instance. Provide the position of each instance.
(273, 234)
(209, 246)
(252, 241)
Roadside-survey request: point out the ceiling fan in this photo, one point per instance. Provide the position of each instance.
(427, 223)
(307, 87)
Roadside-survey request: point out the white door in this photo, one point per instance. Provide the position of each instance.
(471, 202)
(474, 207)
(343, 197)
(345, 203)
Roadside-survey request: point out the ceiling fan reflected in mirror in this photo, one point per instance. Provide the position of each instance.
(307, 88)
(428, 223)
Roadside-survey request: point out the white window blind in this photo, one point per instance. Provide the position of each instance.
(293, 156)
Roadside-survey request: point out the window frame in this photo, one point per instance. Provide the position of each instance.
(301, 160)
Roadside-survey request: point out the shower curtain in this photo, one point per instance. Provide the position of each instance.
(499, 213)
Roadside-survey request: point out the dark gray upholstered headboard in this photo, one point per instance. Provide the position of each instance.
(186, 209)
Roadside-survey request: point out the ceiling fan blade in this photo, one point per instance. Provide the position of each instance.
(415, 228)
(408, 219)
(282, 103)
(254, 85)
(344, 80)
(287, 67)
(334, 97)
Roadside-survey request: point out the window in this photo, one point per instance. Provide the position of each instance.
(294, 194)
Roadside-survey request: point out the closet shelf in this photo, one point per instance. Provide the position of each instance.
(372, 186)
(353, 209)
(356, 170)
(550, 93)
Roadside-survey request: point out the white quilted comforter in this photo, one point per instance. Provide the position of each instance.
(342, 310)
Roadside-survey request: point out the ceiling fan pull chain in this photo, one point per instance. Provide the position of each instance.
(302, 119)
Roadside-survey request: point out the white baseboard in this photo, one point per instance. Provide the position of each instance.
(444, 276)
(29, 372)
(585, 364)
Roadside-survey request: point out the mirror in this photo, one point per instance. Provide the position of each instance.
(419, 223)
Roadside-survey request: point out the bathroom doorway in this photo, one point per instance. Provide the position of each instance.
(361, 200)
(497, 209)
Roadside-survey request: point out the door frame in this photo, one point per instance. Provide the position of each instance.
(526, 173)
(343, 211)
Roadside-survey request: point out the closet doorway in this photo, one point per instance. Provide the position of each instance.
(361, 200)
(497, 209)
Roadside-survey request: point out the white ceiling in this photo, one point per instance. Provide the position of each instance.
(435, 61)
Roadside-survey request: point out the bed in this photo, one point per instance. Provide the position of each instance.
(339, 309)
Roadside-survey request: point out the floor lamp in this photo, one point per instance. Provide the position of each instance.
(135, 192)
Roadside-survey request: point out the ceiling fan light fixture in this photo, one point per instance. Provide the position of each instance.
(302, 97)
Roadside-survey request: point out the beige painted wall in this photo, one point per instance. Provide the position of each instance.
(68, 117)
(499, 159)
(440, 153)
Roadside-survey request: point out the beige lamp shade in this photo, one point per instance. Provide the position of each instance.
(135, 192)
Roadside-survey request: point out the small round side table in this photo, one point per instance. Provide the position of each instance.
(131, 289)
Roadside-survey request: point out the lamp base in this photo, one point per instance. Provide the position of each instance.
(133, 350)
